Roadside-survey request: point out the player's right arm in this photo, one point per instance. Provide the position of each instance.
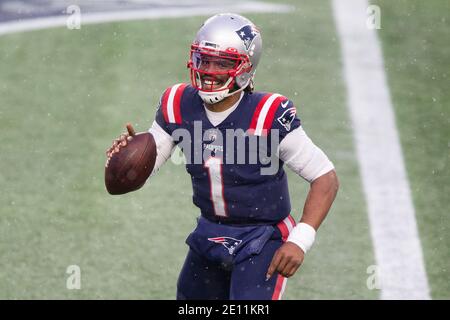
(164, 145)
(160, 131)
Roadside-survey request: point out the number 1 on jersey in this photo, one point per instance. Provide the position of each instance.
(214, 166)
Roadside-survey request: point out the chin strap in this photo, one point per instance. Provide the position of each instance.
(213, 97)
(217, 96)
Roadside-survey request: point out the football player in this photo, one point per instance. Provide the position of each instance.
(246, 243)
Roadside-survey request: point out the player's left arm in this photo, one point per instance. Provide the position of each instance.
(289, 257)
(306, 159)
(302, 156)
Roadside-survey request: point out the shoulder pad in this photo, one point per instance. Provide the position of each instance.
(171, 103)
(264, 113)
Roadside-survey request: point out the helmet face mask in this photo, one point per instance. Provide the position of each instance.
(215, 70)
(224, 56)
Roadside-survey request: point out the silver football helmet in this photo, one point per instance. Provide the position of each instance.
(224, 56)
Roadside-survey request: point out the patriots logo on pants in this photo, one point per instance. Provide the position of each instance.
(247, 34)
(228, 242)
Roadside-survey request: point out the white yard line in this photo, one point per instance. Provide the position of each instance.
(155, 13)
(391, 212)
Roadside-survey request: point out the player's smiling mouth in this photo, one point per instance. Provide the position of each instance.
(210, 83)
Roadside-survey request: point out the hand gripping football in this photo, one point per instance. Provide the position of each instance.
(129, 168)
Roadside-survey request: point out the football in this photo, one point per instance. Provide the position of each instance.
(129, 168)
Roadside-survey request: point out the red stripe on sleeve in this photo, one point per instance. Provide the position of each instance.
(257, 112)
(177, 103)
(165, 97)
(271, 113)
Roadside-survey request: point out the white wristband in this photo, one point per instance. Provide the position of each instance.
(302, 235)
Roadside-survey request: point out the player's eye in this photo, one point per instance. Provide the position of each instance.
(225, 64)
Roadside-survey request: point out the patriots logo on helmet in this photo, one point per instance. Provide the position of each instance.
(228, 242)
(287, 117)
(247, 33)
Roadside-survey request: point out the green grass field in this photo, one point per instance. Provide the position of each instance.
(417, 59)
(65, 94)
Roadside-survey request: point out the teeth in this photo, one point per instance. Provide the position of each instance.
(209, 82)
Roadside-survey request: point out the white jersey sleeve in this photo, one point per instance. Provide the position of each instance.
(302, 156)
(164, 145)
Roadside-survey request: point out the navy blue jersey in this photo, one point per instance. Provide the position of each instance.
(236, 176)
